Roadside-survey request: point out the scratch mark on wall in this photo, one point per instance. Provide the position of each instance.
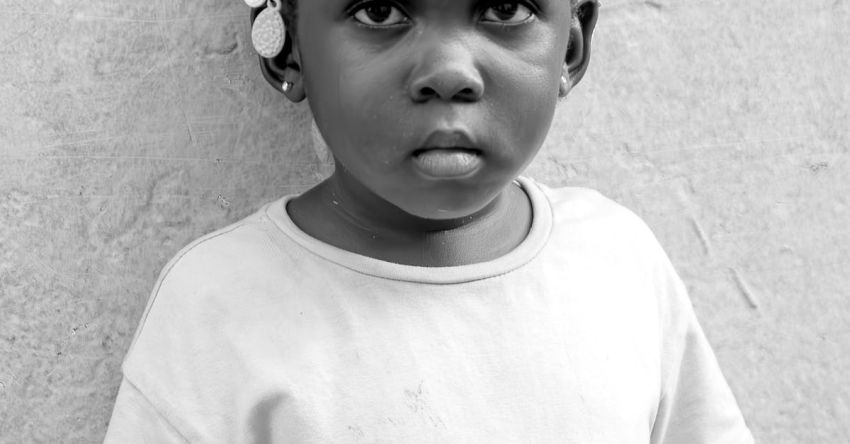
(152, 21)
(703, 238)
(745, 289)
(15, 37)
(238, 139)
(631, 4)
(34, 260)
(64, 346)
(167, 159)
(10, 380)
(816, 168)
(222, 202)
(226, 49)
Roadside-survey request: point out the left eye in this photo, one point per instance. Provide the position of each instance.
(379, 14)
(511, 13)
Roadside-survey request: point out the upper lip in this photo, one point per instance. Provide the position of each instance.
(453, 138)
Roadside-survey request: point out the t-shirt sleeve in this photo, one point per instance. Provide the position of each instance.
(136, 420)
(696, 405)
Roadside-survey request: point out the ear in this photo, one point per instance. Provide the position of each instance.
(578, 50)
(285, 67)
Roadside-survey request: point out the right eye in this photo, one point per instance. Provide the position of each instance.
(378, 14)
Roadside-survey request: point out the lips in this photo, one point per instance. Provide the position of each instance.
(447, 163)
(447, 155)
(449, 139)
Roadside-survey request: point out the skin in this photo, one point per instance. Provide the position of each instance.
(383, 76)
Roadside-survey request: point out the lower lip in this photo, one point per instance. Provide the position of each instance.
(445, 163)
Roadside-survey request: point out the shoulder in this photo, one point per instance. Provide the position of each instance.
(605, 235)
(594, 215)
(213, 302)
(225, 261)
(598, 238)
(182, 333)
(217, 276)
(224, 250)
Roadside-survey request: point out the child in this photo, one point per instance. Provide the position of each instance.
(424, 292)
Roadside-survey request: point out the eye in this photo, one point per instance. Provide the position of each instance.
(379, 14)
(508, 13)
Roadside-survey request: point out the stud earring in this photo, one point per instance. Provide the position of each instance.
(286, 86)
(565, 86)
(269, 32)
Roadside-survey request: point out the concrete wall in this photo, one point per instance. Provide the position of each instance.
(129, 128)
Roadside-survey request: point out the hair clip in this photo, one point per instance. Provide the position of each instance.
(268, 33)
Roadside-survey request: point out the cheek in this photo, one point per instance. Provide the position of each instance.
(370, 124)
(527, 105)
(342, 108)
(528, 86)
(361, 129)
(371, 107)
(539, 104)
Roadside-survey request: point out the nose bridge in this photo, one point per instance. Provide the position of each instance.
(446, 67)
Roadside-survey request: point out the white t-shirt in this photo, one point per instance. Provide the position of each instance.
(582, 334)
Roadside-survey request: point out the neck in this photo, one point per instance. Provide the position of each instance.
(338, 212)
(364, 210)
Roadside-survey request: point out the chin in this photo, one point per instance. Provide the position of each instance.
(450, 207)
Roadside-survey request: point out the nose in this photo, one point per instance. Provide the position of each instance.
(446, 69)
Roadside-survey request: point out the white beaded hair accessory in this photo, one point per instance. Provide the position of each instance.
(269, 32)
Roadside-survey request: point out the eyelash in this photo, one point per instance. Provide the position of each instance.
(354, 9)
(362, 5)
(533, 10)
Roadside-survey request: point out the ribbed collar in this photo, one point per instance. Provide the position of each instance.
(541, 226)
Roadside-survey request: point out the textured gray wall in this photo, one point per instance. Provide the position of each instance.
(129, 128)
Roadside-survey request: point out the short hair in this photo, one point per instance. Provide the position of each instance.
(289, 10)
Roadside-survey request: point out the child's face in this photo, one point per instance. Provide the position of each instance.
(433, 105)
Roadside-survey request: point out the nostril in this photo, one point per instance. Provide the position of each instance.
(447, 85)
(467, 94)
(427, 92)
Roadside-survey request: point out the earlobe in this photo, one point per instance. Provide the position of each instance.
(566, 85)
(581, 31)
(283, 72)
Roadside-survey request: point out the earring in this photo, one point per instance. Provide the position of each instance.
(269, 32)
(286, 86)
(565, 86)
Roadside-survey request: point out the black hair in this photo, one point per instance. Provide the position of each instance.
(289, 11)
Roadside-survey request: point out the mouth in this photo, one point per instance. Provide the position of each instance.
(447, 162)
(421, 151)
(448, 154)
(449, 139)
